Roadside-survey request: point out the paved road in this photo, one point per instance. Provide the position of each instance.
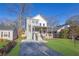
(36, 49)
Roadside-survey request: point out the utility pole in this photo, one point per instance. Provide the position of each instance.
(20, 18)
(23, 8)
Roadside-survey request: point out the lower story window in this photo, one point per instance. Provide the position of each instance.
(1, 34)
(5, 35)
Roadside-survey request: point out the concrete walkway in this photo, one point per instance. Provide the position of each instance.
(36, 49)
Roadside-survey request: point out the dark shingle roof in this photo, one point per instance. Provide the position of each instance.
(5, 27)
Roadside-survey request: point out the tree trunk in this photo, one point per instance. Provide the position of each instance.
(73, 39)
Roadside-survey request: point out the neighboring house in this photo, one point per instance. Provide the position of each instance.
(63, 27)
(57, 30)
(8, 32)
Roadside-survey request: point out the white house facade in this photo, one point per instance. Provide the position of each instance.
(8, 33)
(37, 28)
(39, 21)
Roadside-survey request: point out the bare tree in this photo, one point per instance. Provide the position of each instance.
(19, 10)
(52, 21)
(74, 27)
(23, 9)
(74, 24)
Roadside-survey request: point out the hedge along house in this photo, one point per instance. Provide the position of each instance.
(8, 32)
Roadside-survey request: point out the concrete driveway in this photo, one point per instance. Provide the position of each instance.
(36, 49)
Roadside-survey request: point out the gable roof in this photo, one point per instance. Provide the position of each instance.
(61, 27)
(38, 18)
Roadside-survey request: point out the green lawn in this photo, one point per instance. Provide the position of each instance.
(4, 42)
(15, 51)
(64, 46)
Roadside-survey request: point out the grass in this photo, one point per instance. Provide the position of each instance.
(15, 51)
(4, 42)
(64, 46)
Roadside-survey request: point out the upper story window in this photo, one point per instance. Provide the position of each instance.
(40, 24)
(43, 24)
